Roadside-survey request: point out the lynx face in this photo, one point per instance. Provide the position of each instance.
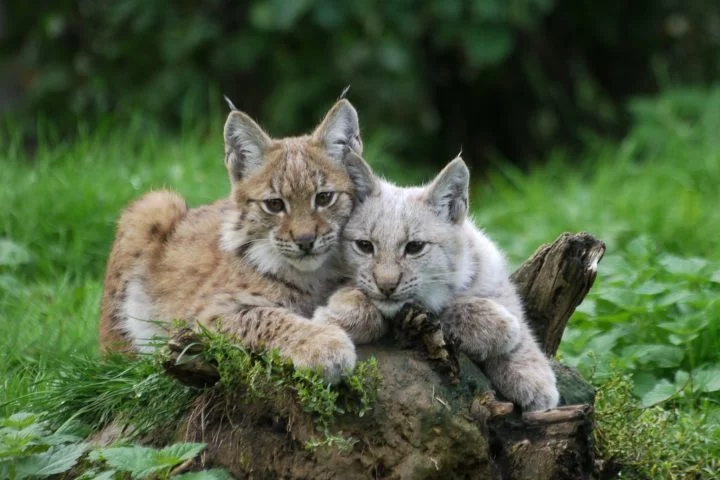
(294, 209)
(403, 244)
(292, 197)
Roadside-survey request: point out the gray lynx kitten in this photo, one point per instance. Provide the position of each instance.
(415, 245)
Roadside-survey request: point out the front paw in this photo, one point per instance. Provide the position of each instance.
(415, 319)
(415, 325)
(347, 298)
(546, 397)
(326, 348)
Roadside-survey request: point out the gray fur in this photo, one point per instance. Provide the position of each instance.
(460, 275)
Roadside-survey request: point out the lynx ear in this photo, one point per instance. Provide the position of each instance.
(361, 175)
(245, 145)
(448, 193)
(339, 132)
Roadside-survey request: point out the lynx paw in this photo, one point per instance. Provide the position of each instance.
(351, 310)
(415, 319)
(545, 398)
(326, 348)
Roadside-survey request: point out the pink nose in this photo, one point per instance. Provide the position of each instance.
(387, 285)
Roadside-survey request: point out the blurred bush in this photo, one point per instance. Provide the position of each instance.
(508, 77)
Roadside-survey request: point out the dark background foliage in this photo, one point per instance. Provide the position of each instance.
(495, 77)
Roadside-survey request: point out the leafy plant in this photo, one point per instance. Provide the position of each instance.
(30, 449)
(650, 314)
(145, 462)
(655, 442)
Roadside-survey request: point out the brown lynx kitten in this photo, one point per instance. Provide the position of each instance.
(417, 246)
(254, 265)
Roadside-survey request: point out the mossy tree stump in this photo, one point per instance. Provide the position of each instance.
(426, 423)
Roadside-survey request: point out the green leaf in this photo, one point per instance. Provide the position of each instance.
(588, 307)
(619, 296)
(139, 461)
(678, 296)
(707, 380)
(661, 392)
(106, 475)
(61, 439)
(182, 451)
(52, 462)
(683, 266)
(652, 288)
(643, 383)
(95, 475)
(664, 356)
(13, 254)
(681, 379)
(19, 420)
(213, 474)
(605, 341)
(715, 277)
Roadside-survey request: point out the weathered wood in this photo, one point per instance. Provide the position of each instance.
(567, 413)
(554, 281)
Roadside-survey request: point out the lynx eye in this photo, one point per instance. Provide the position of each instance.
(413, 248)
(324, 199)
(274, 205)
(365, 247)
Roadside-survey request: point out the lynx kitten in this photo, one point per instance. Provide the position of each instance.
(254, 265)
(415, 245)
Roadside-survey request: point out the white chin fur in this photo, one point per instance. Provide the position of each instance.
(307, 264)
(388, 308)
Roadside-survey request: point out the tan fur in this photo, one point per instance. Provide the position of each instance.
(199, 264)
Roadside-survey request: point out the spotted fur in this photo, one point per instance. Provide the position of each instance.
(236, 265)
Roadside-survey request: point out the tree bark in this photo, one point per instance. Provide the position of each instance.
(425, 424)
(554, 281)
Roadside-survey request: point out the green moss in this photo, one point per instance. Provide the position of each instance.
(656, 442)
(248, 376)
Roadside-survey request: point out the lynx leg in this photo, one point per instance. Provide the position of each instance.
(486, 328)
(524, 376)
(311, 345)
(351, 310)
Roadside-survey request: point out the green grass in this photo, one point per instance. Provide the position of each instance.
(653, 314)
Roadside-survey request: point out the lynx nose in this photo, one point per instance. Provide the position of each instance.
(387, 283)
(305, 241)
